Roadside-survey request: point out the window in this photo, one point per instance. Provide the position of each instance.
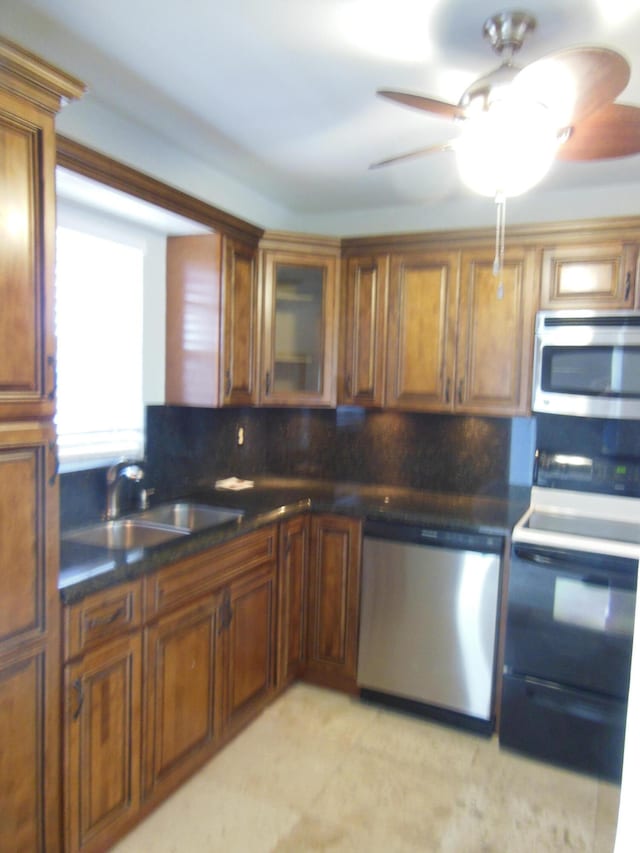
(99, 323)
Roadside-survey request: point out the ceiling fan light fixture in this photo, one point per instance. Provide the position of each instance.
(507, 148)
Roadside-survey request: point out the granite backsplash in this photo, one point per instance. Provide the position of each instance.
(436, 452)
(187, 447)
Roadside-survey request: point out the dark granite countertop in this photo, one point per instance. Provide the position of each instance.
(86, 569)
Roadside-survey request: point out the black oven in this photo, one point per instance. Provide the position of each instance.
(567, 656)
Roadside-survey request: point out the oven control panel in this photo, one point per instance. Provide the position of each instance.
(613, 476)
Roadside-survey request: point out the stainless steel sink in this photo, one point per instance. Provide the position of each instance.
(124, 534)
(189, 516)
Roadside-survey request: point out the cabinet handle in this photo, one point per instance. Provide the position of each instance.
(627, 289)
(227, 383)
(101, 621)
(267, 383)
(77, 686)
(51, 362)
(56, 463)
(226, 613)
(347, 385)
(447, 391)
(460, 387)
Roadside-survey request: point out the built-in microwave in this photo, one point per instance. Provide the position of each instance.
(587, 363)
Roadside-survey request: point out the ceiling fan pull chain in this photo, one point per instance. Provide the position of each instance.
(498, 261)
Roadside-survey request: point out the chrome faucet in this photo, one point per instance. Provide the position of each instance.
(127, 469)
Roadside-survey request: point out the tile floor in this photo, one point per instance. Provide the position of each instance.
(319, 771)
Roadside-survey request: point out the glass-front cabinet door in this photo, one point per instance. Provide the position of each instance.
(299, 335)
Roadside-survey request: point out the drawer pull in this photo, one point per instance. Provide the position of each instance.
(101, 621)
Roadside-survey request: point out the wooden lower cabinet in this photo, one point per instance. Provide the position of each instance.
(181, 693)
(334, 597)
(249, 668)
(293, 584)
(161, 672)
(102, 743)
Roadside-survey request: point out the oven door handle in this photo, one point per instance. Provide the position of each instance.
(596, 569)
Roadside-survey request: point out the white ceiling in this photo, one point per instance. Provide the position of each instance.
(280, 94)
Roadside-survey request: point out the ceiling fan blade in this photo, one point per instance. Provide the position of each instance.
(419, 102)
(613, 131)
(591, 77)
(432, 149)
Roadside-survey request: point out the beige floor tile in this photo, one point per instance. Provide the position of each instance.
(204, 818)
(432, 747)
(606, 817)
(320, 771)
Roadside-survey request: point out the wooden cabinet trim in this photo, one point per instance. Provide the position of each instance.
(97, 618)
(179, 582)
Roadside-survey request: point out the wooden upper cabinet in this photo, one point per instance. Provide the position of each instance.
(211, 321)
(299, 338)
(240, 323)
(193, 320)
(495, 326)
(599, 274)
(363, 334)
(423, 292)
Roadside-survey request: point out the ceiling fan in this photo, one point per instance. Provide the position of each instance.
(570, 94)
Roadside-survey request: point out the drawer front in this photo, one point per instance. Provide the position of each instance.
(99, 617)
(180, 582)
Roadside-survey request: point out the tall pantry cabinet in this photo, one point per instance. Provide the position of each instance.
(31, 92)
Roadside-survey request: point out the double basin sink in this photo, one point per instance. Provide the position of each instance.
(153, 526)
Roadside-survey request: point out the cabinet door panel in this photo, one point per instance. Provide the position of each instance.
(364, 331)
(293, 585)
(22, 578)
(240, 323)
(251, 644)
(180, 692)
(299, 335)
(27, 345)
(102, 727)
(334, 600)
(22, 754)
(193, 320)
(589, 275)
(495, 327)
(422, 304)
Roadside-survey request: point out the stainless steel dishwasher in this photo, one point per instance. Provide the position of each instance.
(428, 623)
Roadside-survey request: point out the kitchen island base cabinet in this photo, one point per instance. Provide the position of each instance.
(334, 595)
(102, 743)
